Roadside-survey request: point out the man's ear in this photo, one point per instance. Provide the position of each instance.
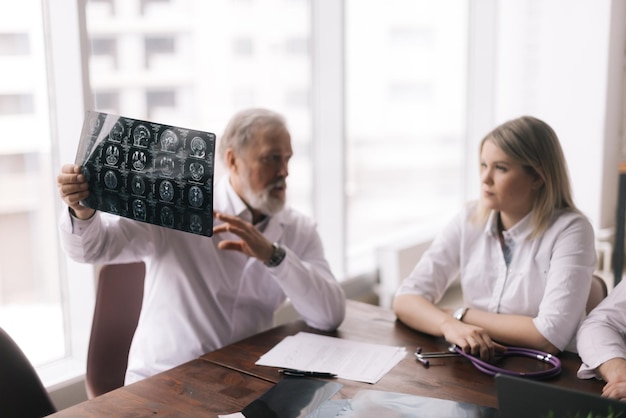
(231, 160)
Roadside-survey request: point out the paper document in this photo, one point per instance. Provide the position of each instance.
(363, 362)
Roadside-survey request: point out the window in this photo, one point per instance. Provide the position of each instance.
(147, 6)
(104, 52)
(243, 47)
(243, 97)
(158, 46)
(107, 101)
(45, 301)
(107, 7)
(405, 119)
(160, 102)
(297, 46)
(30, 279)
(298, 98)
(16, 104)
(14, 44)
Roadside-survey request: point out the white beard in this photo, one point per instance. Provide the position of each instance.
(262, 200)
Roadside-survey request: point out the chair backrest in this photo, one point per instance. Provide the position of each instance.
(118, 305)
(22, 393)
(597, 292)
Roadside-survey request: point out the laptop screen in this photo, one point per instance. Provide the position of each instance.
(523, 398)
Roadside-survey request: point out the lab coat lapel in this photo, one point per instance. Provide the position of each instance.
(275, 227)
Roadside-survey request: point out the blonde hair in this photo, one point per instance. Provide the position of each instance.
(533, 143)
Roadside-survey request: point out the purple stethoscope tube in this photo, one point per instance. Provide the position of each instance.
(492, 369)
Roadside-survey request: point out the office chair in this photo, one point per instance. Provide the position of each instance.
(118, 304)
(597, 293)
(22, 393)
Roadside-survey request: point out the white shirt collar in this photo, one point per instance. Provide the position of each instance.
(520, 230)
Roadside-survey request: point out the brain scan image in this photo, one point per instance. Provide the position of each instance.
(141, 136)
(167, 166)
(166, 191)
(110, 180)
(169, 141)
(139, 210)
(195, 223)
(196, 170)
(196, 198)
(139, 160)
(198, 147)
(167, 217)
(117, 132)
(138, 186)
(112, 155)
(111, 205)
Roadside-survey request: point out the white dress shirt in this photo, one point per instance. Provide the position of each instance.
(198, 298)
(548, 278)
(602, 336)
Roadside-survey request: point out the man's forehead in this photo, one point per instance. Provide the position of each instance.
(276, 138)
(268, 131)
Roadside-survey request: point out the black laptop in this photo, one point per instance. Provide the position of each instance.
(527, 398)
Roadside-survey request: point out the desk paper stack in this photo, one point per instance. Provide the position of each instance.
(363, 362)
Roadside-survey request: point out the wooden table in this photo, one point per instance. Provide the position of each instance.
(194, 389)
(446, 378)
(226, 380)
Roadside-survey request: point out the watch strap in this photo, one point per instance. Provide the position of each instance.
(278, 255)
(460, 313)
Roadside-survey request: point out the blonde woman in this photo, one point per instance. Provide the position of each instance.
(524, 252)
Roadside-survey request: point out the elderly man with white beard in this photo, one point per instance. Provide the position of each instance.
(202, 293)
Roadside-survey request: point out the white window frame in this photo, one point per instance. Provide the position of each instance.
(481, 69)
(329, 164)
(68, 85)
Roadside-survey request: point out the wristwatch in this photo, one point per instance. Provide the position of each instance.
(277, 256)
(460, 313)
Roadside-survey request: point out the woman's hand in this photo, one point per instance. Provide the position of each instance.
(422, 315)
(470, 338)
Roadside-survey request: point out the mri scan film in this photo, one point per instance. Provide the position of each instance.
(148, 171)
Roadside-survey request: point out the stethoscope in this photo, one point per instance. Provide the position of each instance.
(491, 369)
